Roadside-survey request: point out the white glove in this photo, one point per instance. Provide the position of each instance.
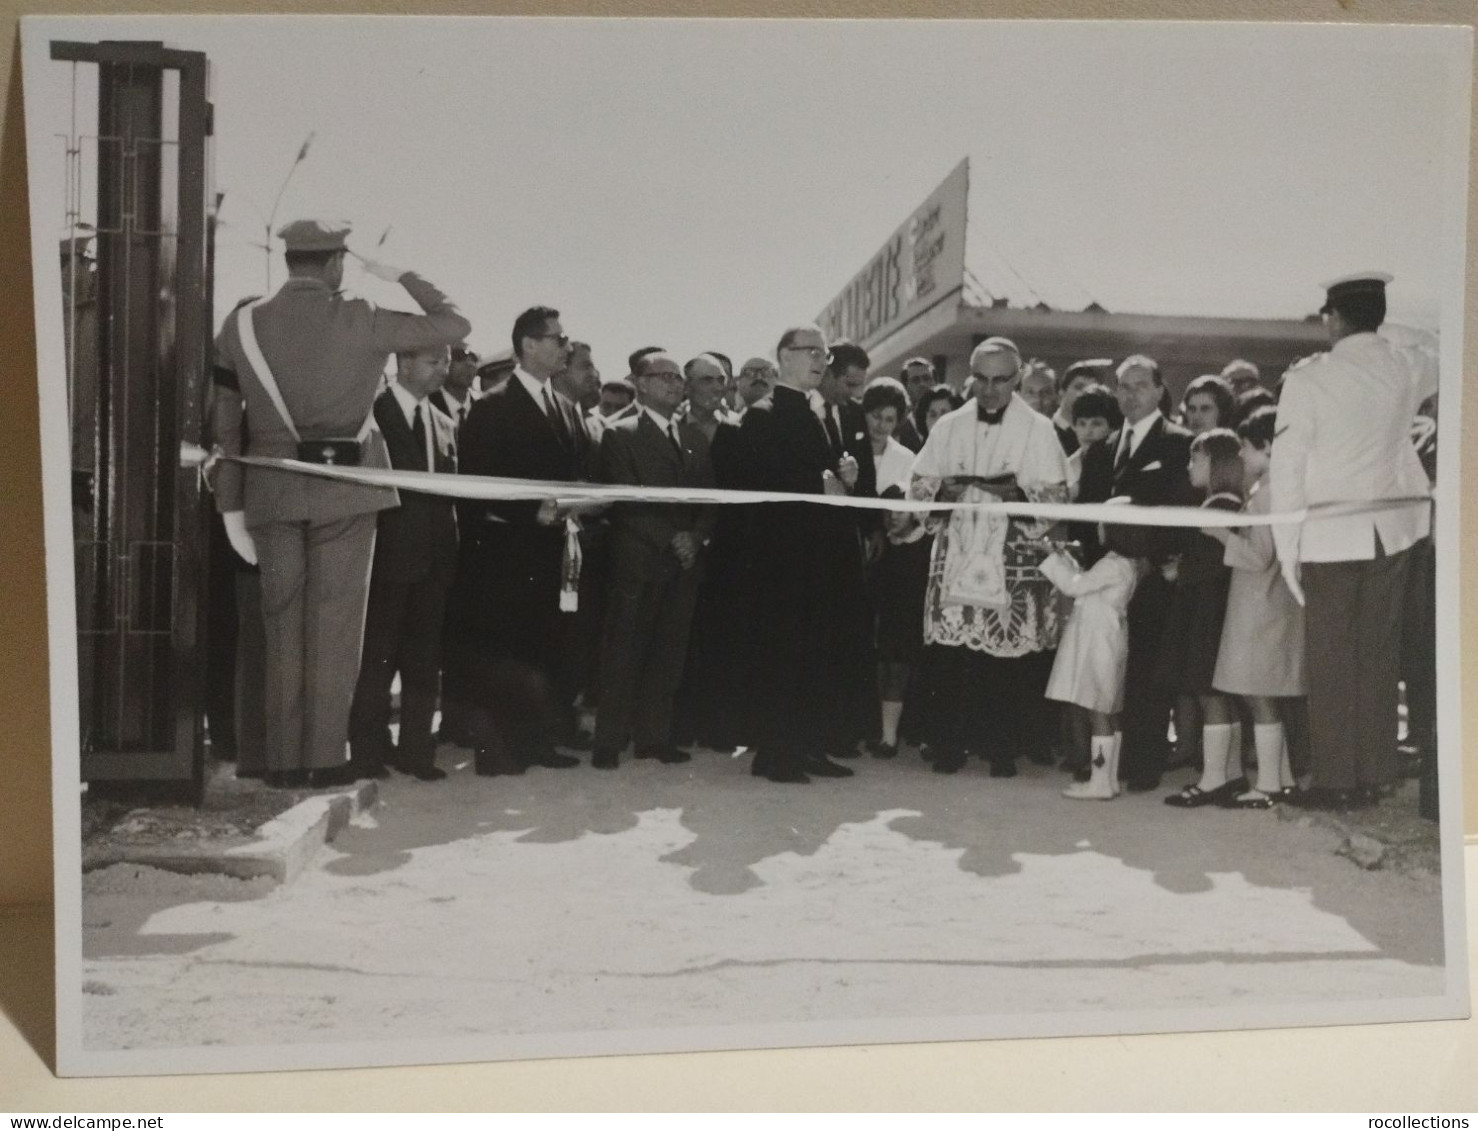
(236, 533)
(383, 271)
(1290, 576)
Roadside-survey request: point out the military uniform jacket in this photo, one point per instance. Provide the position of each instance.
(1344, 435)
(327, 353)
(418, 538)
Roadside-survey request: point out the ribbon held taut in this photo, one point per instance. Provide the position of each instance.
(490, 488)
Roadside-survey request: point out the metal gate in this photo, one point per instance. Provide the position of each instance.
(138, 330)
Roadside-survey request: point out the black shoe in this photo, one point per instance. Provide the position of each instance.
(825, 768)
(332, 778)
(551, 759)
(364, 768)
(669, 755)
(423, 773)
(949, 762)
(285, 779)
(605, 758)
(883, 749)
(491, 764)
(849, 752)
(787, 775)
(577, 740)
(1142, 785)
(1003, 768)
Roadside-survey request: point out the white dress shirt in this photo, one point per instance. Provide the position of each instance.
(1135, 434)
(408, 405)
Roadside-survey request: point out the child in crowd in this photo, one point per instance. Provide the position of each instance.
(1261, 657)
(1192, 638)
(1090, 479)
(1096, 416)
(1088, 674)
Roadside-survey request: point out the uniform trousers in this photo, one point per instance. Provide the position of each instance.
(402, 633)
(643, 651)
(1353, 619)
(315, 579)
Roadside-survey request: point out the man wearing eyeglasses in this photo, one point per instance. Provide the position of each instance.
(510, 571)
(655, 551)
(991, 623)
(812, 654)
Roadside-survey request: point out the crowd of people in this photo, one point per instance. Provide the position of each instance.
(811, 635)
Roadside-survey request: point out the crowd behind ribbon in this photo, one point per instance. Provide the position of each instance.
(808, 635)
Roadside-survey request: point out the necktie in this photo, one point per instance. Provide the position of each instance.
(556, 418)
(834, 431)
(418, 430)
(677, 445)
(1125, 443)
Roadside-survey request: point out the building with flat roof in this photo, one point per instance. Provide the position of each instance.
(918, 296)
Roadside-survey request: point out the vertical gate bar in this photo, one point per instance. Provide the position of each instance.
(192, 346)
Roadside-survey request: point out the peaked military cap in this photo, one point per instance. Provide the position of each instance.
(314, 235)
(1349, 286)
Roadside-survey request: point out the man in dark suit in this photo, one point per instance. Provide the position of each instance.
(415, 558)
(654, 555)
(457, 393)
(510, 572)
(1151, 458)
(812, 654)
(917, 377)
(456, 397)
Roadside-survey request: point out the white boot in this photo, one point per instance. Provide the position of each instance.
(1100, 786)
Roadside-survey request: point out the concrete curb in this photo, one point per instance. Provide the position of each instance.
(282, 847)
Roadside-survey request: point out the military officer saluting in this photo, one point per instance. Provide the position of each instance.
(306, 365)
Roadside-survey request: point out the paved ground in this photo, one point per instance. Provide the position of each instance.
(673, 896)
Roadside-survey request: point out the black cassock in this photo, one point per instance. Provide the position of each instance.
(813, 672)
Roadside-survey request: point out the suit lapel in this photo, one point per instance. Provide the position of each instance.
(1145, 453)
(398, 435)
(658, 441)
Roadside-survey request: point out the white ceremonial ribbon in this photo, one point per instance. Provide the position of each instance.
(488, 488)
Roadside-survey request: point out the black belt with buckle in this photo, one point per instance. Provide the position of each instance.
(335, 450)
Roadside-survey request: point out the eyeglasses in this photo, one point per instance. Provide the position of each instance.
(562, 339)
(814, 351)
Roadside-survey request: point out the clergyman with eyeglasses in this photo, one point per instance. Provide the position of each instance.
(812, 655)
(991, 621)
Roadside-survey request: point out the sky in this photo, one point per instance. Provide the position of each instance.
(704, 184)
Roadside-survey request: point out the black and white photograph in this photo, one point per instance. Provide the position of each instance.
(584, 536)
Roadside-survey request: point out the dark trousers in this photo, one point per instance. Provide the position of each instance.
(402, 633)
(643, 651)
(1147, 706)
(1354, 616)
(315, 578)
(987, 705)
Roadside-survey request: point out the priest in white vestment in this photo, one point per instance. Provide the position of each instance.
(991, 620)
